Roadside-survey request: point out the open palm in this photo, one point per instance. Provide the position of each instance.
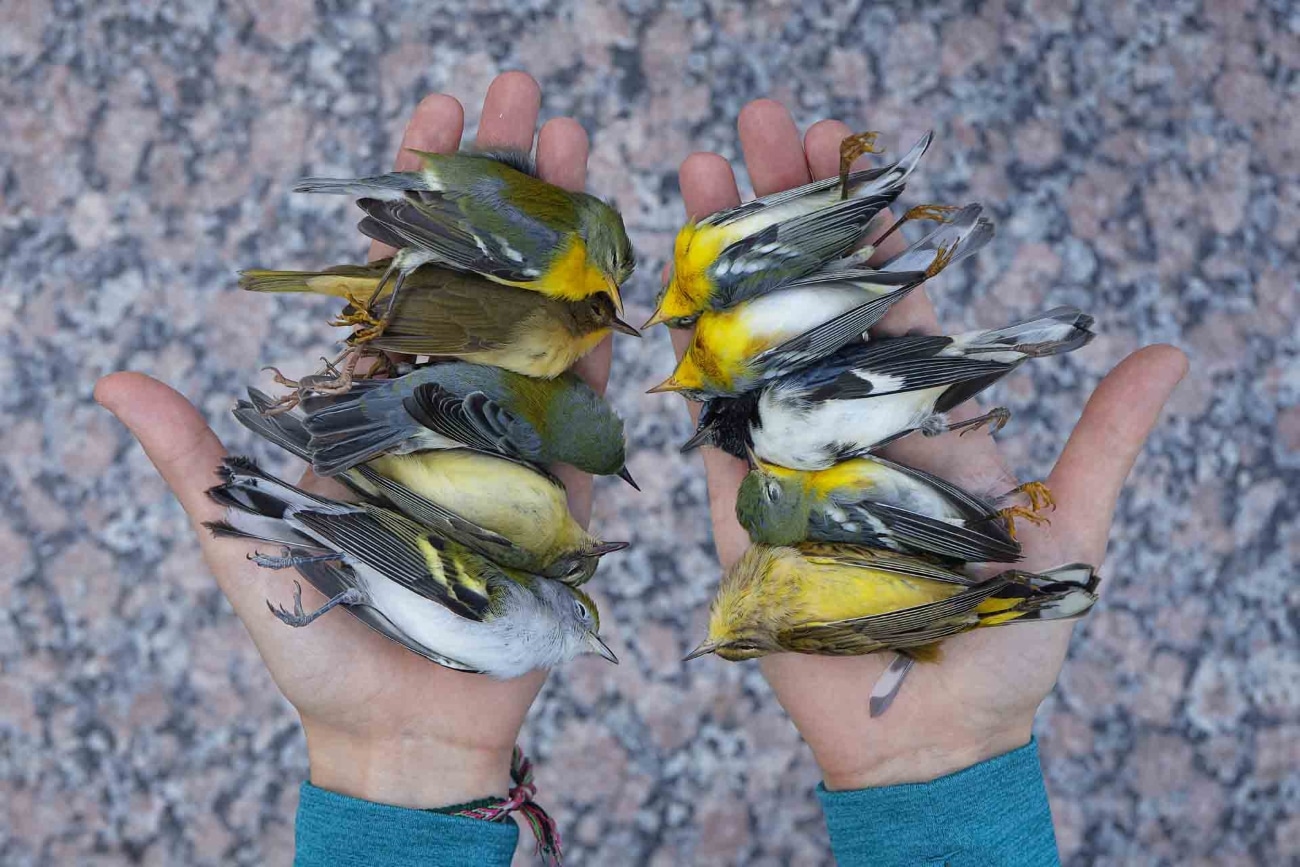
(381, 722)
(979, 701)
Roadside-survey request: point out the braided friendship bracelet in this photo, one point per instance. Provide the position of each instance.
(519, 800)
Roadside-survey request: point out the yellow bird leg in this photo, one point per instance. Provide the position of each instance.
(851, 148)
(1010, 514)
(936, 213)
(1040, 496)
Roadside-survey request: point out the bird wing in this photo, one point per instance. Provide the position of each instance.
(854, 373)
(497, 241)
(928, 535)
(448, 523)
(904, 628)
(332, 578)
(455, 314)
(474, 420)
(786, 251)
(828, 337)
(403, 552)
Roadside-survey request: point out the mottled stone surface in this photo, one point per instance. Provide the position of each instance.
(1142, 161)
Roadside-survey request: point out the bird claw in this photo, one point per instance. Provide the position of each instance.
(851, 148)
(298, 617)
(1040, 496)
(996, 419)
(1011, 513)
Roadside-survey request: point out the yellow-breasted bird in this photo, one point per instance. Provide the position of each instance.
(489, 213)
(453, 314)
(432, 595)
(870, 393)
(745, 251)
(877, 503)
(843, 600)
(738, 348)
(504, 509)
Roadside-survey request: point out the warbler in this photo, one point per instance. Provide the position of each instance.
(448, 313)
(489, 213)
(736, 349)
(880, 504)
(460, 405)
(846, 600)
(745, 251)
(868, 394)
(506, 510)
(437, 598)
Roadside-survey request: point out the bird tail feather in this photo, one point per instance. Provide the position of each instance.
(1064, 593)
(389, 186)
(1061, 330)
(347, 430)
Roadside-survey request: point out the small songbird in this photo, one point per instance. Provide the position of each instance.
(869, 394)
(736, 349)
(506, 510)
(452, 314)
(489, 213)
(877, 503)
(845, 600)
(433, 596)
(460, 405)
(743, 252)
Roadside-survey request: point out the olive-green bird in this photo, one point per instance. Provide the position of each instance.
(449, 313)
(845, 600)
(489, 213)
(503, 509)
(432, 595)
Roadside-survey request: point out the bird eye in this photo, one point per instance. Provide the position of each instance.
(773, 492)
(581, 610)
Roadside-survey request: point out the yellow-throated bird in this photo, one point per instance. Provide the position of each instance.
(877, 503)
(843, 600)
(449, 313)
(736, 349)
(489, 213)
(504, 509)
(433, 596)
(460, 405)
(745, 251)
(868, 394)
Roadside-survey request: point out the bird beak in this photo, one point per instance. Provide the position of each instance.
(754, 462)
(659, 316)
(702, 436)
(603, 548)
(626, 476)
(706, 647)
(599, 646)
(623, 328)
(669, 384)
(615, 296)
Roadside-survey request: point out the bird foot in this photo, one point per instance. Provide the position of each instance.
(1040, 496)
(851, 148)
(1011, 513)
(995, 419)
(288, 560)
(300, 618)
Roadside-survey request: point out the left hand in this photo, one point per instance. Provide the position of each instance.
(381, 723)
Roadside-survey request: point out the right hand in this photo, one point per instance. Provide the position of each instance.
(980, 700)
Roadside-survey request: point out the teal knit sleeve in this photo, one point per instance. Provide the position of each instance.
(993, 814)
(337, 831)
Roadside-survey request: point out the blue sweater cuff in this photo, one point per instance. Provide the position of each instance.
(340, 831)
(990, 814)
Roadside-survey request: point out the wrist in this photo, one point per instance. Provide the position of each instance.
(921, 762)
(405, 770)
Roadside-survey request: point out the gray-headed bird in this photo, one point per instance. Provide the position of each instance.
(433, 596)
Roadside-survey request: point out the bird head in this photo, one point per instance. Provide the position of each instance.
(741, 625)
(772, 505)
(599, 313)
(591, 434)
(583, 621)
(609, 250)
(688, 380)
(686, 291)
(724, 423)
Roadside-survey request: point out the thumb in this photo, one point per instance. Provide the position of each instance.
(1115, 425)
(175, 437)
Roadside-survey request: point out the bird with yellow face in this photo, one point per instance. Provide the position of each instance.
(845, 600)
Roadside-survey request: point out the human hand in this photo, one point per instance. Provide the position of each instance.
(381, 723)
(979, 701)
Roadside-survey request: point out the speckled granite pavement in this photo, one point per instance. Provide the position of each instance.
(1141, 158)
